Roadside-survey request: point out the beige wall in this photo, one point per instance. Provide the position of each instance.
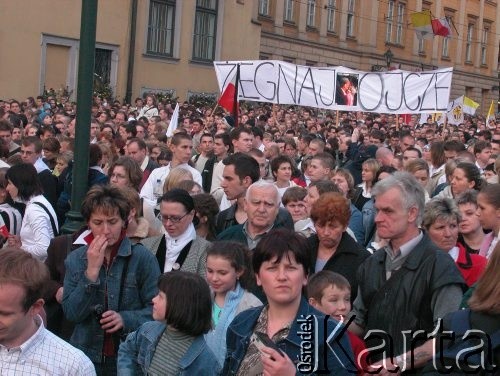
(23, 24)
(22, 29)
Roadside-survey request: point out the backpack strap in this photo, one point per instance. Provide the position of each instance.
(52, 222)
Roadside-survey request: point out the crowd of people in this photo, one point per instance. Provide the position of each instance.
(204, 252)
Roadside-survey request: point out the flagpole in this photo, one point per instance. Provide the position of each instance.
(216, 105)
(236, 108)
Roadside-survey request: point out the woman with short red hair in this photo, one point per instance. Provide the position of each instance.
(332, 247)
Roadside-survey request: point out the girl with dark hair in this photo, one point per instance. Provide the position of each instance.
(229, 276)
(173, 344)
(465, 176)
(10, 215)
(39, 224)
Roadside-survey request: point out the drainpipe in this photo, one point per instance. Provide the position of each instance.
(131, 51)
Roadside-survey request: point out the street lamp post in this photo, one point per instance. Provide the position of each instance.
(74, 219)
(388, 57)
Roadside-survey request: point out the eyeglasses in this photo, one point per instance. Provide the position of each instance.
(172, 218)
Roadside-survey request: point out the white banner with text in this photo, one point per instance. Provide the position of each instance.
(338, 88)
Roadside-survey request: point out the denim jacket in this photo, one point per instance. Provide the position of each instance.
(81, 295)
(340, 360)
(136, 353)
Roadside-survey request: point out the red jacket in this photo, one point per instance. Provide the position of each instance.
(471, 266)
(358, 345)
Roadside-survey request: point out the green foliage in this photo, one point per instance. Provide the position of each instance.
(203, 100)
(57, 94)
(102, 89)
(165, 97)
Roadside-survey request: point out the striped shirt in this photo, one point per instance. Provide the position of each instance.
(168, 353)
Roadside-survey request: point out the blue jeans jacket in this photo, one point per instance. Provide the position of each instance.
(136, 353)
(82, 295)
(338, 351)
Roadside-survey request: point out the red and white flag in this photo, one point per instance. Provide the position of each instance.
(229, 96)
(441, 26)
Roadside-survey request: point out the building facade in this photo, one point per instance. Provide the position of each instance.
(359, 33)
(172, 42)
(169, 45)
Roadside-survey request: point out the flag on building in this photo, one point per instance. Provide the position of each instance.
(229, 96)
(441, 26)
(174, 121)
(422, 24)
(460, 106)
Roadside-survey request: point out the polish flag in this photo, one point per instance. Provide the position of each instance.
(441, 26)
(229, 97)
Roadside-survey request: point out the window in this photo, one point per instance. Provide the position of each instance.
(205, 28)
(395, 15)
(390, 20)
(330, 15)
(161, 27)
(350, 18)
(400, 23)
(421, 46)
(311, 13)
(289, 10)
(264, 7)
(446, 47)
(102, 65)
(484, 43)
(468, 42)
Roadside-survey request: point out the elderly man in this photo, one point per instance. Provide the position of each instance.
(240, 171)
(261, 204)
(408, 280)
(26, 347)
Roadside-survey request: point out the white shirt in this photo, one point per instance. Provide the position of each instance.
(36, 230)
(215, 189)
(44, 354)
(40, 165)
(152, 189)
(176, 245)
(148, 112)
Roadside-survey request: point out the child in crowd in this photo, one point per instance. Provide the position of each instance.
(330, 293)
(229, 276)
(173, 344)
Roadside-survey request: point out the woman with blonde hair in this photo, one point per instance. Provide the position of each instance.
(175, 176)
(420, 170)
